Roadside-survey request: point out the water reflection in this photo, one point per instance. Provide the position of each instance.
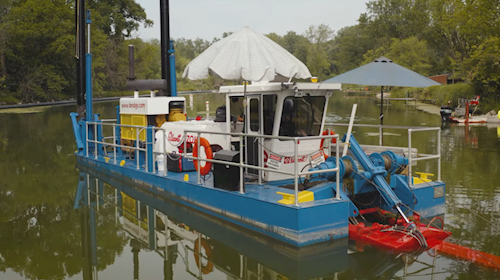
(186, 244)
(200, 244)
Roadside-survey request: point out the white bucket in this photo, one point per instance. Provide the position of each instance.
(160, 162)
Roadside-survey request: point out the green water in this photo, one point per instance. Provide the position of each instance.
(42, 236)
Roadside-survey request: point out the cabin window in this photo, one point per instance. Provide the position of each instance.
(269, 103)
(254, 114)
(237, 108)
(302, 116)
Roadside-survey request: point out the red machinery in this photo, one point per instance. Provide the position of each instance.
(414, 237)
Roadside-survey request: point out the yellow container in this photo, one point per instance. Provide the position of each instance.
(130, 133)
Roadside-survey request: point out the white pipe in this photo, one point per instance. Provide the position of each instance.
(349, 130)
(153, 95)
(207, 108)
(136, 94)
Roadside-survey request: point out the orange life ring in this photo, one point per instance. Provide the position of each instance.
(205, 269)
(208, 151)
(334, 140)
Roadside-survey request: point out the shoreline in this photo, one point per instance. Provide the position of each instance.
(435, 110)
(428, 108)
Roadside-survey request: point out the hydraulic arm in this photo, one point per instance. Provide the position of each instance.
(375, 170)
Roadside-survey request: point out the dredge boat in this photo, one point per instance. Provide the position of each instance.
(266, 162)
(464, 112)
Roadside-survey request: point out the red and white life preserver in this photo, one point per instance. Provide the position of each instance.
(334, 140)
(208, 152)
(205, 269)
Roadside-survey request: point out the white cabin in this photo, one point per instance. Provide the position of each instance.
(274, 109)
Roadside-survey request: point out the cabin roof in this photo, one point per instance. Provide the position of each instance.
(267, 87)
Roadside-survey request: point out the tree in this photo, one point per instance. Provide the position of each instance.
(276, 38)
(396, 18)
(320, 38)
(349, 46)
(118, 18)
(294, 43)
(5, 7)
(410, 53)
(297, 45)
(39, 50)
(482, 68)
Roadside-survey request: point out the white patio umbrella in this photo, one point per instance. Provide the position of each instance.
(246, 55)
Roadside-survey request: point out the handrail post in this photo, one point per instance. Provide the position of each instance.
(165, 170)
(242, 181)
(95, 141)
(137, 147)
(114, 143)
(149, 149)
(439, 154)
(198, 157)
(330, 147)
(380, 135)
(87, 138)
(153, 150)
(184, 152)
(409, 159)
(259, 150)
(296, 168)
(337, 151)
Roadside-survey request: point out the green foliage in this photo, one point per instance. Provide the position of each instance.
(410, 53)
(428, 36)
(321, 42)
(482, 68)
(38, 52)
(118, 18)
(349, 46)
(442, 94)
(37, 47)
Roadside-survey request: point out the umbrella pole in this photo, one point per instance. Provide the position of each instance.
(381, 130)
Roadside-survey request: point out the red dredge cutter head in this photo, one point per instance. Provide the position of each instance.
(408, 238)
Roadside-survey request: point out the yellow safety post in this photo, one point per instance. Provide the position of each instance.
(423, 178)
(288, 198)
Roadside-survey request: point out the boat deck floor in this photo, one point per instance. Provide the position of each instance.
(267, 191)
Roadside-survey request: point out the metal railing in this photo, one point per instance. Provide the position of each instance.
(150, 152)
(411, 130)
(424, 156)
(148, 145)
(296, 174)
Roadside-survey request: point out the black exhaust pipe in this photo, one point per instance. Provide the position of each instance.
(165, 44)
(131, 65)
(80, 58)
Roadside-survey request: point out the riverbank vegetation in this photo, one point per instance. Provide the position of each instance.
(431, 37)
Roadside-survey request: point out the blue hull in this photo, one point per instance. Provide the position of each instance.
(309, 223)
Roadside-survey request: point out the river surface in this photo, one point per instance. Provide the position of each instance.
(43, 236)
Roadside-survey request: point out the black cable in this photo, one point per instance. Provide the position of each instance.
(300, 177)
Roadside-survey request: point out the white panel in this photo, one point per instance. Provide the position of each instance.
(147, 105)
